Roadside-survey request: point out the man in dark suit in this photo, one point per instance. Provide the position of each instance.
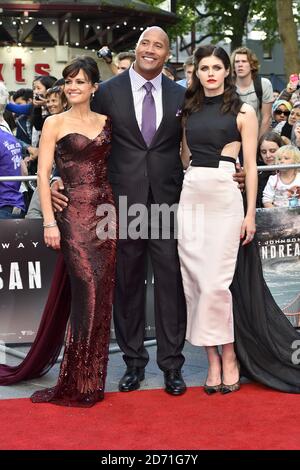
(147, 172)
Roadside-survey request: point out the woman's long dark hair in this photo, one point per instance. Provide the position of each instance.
(85, 63)
(194, 96)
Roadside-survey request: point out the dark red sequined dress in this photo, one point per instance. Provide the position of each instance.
(88, 233)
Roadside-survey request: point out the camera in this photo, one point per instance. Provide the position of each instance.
(294, 80)
(38, 97)
(105, 53)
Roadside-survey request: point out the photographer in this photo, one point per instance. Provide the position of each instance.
(40, 86)
(106, 55)
(119, 63)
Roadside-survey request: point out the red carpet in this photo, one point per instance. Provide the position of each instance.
(253, 418)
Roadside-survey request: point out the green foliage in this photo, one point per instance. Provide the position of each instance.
(186, 12)
(222, 19)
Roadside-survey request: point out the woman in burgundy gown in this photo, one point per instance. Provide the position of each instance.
(79, 140)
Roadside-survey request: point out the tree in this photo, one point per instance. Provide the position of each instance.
(225, 19)
(289, 36)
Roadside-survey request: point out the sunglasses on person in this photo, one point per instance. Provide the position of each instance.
(278, 111)
(54, 89)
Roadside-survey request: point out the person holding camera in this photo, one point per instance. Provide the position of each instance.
(119, 63)
(40, 85)
(291, 92)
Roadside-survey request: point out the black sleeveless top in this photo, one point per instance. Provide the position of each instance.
(208, 131)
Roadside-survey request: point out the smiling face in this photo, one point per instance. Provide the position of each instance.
(152, 51)
(54, 104)
(78, 89)
(212, 73)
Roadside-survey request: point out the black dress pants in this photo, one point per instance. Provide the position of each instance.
(169, 301)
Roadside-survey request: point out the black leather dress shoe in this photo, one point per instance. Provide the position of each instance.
(131, 379)
(174, 383)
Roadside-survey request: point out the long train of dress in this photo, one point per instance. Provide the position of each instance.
(265, 341)
(50, 335)
(83, 284)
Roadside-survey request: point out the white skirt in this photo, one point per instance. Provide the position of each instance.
(210, 217)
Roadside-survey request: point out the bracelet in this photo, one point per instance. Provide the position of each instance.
(51, 224)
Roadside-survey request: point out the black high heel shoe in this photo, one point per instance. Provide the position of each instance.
(233, 387)
(211, 389)
(224, 389)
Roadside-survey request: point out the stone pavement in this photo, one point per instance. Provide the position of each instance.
(194, 372)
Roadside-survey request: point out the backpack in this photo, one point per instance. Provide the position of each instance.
(258, 90)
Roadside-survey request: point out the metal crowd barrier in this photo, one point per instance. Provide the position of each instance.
(21, 355)
(18, 178)
(114, 349)
(278, 167)
(259, 168)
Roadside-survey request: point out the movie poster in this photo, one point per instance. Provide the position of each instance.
(26, 269)
(27, 265)
(278, 232)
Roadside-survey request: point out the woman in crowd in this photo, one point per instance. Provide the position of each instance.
(284, 128)
(281, 189)
(280, 111)
(79, 141)
(245, 321)
(56, 102)
(295, 136)
(268, 144)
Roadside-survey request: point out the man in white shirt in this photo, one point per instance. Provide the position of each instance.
(245, 69)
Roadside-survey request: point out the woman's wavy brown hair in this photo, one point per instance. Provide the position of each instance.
(194, 96)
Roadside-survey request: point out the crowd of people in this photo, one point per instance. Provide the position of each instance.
(133, 136)
(23, 113)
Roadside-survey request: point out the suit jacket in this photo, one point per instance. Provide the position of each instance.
(133, 167)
